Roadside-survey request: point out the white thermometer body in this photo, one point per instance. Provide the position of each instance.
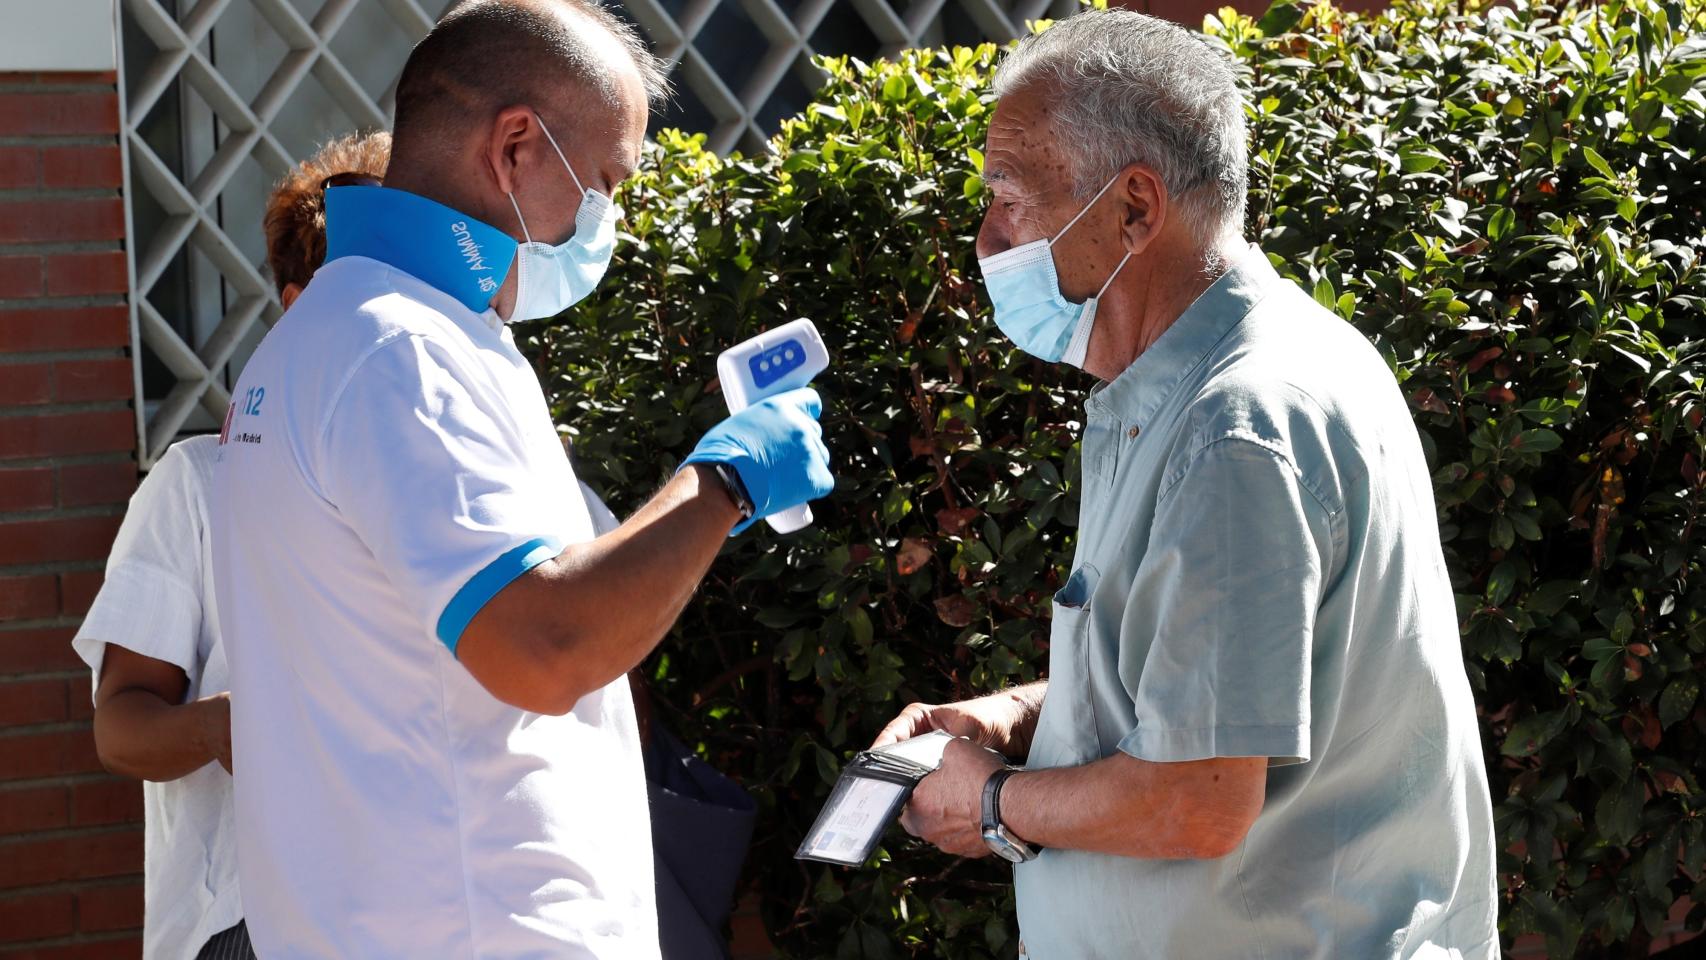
(773, 362)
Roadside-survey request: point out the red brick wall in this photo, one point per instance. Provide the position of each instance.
(70, 835)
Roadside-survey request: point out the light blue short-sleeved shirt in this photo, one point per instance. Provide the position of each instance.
(1259, 574)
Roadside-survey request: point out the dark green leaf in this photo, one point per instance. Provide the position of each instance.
(1280, 18)
(1678, 698)
(1532, 732)
(864, 942)
(1538, 441)
(1618, 814)
(1599, 648)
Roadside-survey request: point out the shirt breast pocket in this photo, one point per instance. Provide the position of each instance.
(1067, 732)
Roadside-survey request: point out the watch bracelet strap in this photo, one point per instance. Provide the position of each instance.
(736, 488)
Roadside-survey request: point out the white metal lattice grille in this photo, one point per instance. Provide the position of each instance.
(193, 194)
(785, 36)
(221, 97)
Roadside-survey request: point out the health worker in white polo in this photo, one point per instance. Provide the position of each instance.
(438, 752)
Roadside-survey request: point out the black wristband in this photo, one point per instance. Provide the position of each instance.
(992, 823)
(992, 797)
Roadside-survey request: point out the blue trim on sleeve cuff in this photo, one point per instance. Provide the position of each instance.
(483, 586)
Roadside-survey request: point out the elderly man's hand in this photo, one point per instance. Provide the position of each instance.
(947, 806)
(1000, 721)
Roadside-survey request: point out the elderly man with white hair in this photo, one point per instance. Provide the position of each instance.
(1257, 739)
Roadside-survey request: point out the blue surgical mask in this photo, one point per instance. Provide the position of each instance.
(1029, 307)
(551, 279)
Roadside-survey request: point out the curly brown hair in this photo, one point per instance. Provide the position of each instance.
(296, 209)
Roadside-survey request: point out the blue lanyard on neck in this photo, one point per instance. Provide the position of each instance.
(429, 241)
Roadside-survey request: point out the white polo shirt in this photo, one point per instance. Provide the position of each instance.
(158, 601)
(389, 464)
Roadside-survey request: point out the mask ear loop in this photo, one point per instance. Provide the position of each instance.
(1111, 276)
(1080, 343)
(553, 141)
(525, 235)
(1082, 212)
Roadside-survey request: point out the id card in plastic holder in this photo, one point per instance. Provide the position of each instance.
(867, 797)
(859, 809)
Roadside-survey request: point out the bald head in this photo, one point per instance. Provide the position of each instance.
(511, 111)
(572, 56)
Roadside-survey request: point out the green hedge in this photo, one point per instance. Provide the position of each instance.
(1509, 204)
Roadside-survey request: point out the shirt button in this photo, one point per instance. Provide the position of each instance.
(1132, 433)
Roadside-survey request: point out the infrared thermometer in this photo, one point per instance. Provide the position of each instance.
(773, 362)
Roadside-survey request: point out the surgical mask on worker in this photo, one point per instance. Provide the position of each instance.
(1029, 307)
(551, 279)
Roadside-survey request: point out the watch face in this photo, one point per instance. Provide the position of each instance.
(1002, 847)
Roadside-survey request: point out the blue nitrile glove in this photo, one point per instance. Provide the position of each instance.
(777, 448)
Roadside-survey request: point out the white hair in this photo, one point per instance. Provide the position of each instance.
(1128, 88)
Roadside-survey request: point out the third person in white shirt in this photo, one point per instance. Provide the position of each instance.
(152, 639)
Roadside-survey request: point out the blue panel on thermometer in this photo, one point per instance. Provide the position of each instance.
(776, 363)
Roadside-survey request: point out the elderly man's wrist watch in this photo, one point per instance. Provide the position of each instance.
(996, 836)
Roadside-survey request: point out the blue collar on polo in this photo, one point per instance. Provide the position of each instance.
(453, 252)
